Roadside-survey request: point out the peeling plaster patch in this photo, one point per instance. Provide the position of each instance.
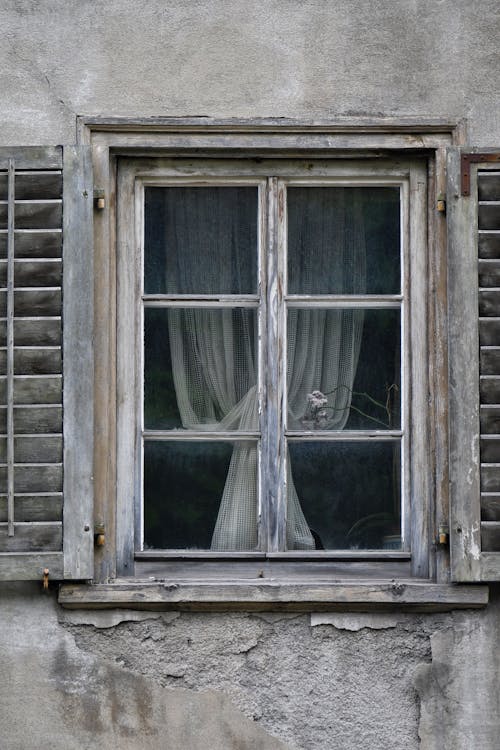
(355, 622)
(110, 618)
(458, 690)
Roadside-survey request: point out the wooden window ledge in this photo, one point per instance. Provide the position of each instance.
(258, 595)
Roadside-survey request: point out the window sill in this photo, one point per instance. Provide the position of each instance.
(259, 595)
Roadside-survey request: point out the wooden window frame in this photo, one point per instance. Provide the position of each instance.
(345, 581)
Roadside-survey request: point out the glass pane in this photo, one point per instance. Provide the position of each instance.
(343, 369)
(349, 493)
(200, 495)
(200, 240)
(200, 369)
(343, 240)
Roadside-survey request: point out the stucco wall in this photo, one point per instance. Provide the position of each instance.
(246, 681)
(229, 58)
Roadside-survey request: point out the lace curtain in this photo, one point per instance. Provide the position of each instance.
(214, 350)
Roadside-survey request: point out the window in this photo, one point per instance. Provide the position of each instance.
(271, 410)
(271, 355)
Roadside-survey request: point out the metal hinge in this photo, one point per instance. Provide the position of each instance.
(468, 159)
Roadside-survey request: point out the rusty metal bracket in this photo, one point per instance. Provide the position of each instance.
(475, 158)
(45, 579)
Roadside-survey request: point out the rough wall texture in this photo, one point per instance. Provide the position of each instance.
(129, 680)
(242, 681)
(291, 58)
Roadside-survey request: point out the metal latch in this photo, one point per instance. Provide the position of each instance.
(443, 534)
(441, 203)
(99, 535)
(99, 199)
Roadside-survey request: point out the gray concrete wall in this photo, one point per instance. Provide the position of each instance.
(85, 680)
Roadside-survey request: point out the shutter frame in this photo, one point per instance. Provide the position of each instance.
(39, 517)
(78, 363)
(469, 561)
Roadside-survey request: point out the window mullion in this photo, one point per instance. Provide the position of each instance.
(273, 447)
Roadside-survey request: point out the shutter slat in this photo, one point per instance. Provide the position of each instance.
(39, 448)
(33, 389)
(490, 389)
(489, 302)
(488, 187)
(490, 448)
(30, 303)
(32, 537)
(36, 273)
(489, 419)
(489, 331)
(489, 272)
(34, 244)
(490, 506)
(34, 331)
(490, 536)
(489, 215)
(34, 507)
(34, 185)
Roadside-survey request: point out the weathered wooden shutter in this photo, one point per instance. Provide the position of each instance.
(45, 384)
(474, 354)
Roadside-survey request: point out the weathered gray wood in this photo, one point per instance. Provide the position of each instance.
(30, 303)
(34, 214)
(34, 389)
(275, 595)
(489, 302)
(489, 272)
(490, 449)
(34, 419)
(490, 536)
(78, 363)
(490, 389)
(33, 478)
(9, 353)
(34, 331)
(34, 449)
(34, 185)
(490, 477)
(490, 360)
(39, 507)
(490, 506)
(489, 244)
(417, 462)
(489, 331)
(31, 537)
(41, 243)
(32, 157)
(317, 570)
(33, 360)
(489, 215)
(465, 508)
(36, 273)
(28, 566)
(489, 566)
(489, 419)
(34, 462)
(273, 426)
(488, 186)
(105, 512)
(129, 373)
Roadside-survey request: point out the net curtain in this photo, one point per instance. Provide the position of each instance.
(214, 350)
